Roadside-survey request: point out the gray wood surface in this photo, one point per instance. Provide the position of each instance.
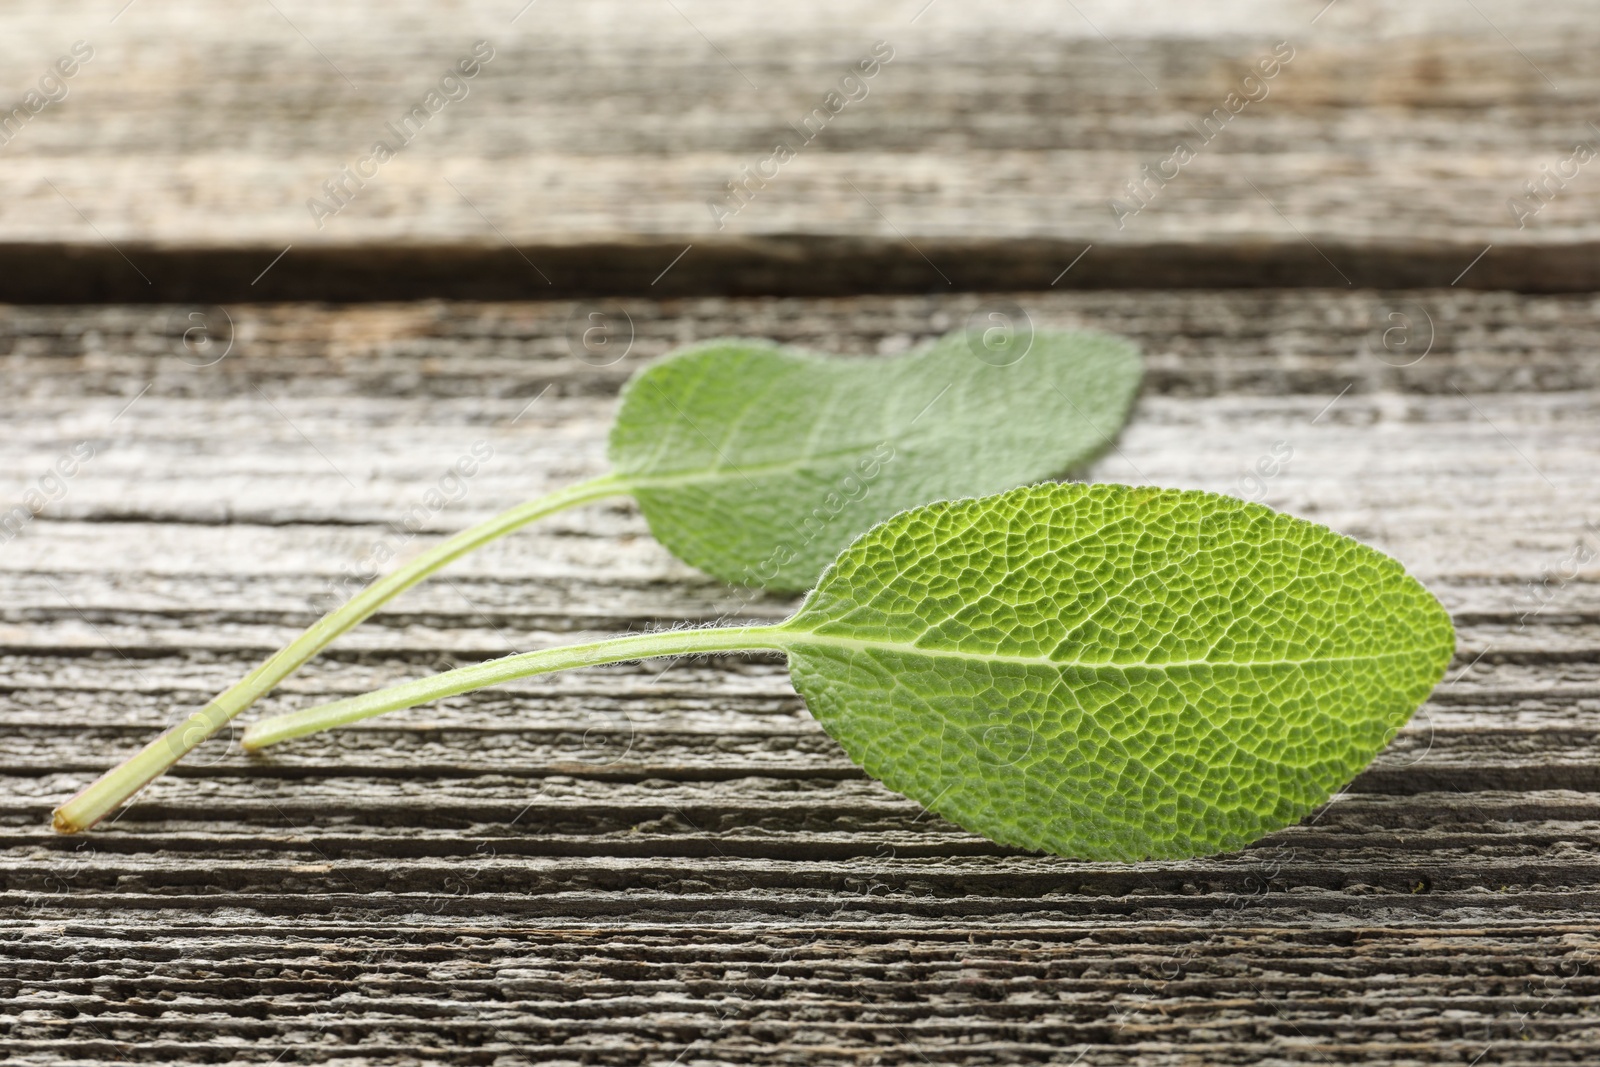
(639, 864)
(985, 154)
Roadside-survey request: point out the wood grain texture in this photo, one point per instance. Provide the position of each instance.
(638, 864)
(986, 154)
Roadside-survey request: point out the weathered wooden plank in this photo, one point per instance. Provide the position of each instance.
(1264, 343)
(627, 866)
(1021, 992)
(986, 153)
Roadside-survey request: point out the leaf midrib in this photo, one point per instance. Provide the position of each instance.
(805, 637)
(731, 472)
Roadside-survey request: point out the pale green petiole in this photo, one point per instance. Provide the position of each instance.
(119, 784)
(449, 683)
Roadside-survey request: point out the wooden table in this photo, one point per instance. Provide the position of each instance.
(672, 863)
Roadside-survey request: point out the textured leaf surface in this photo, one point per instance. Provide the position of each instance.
(1115, 673)
(758, 464)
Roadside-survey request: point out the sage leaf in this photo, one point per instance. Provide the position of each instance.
(1114, 673)
(1098, 671)
(757, 464)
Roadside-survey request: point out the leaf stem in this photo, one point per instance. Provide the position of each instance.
(448, 683)
(120, 783)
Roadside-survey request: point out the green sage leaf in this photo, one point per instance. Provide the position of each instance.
(757, 464)
(1108, 672)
